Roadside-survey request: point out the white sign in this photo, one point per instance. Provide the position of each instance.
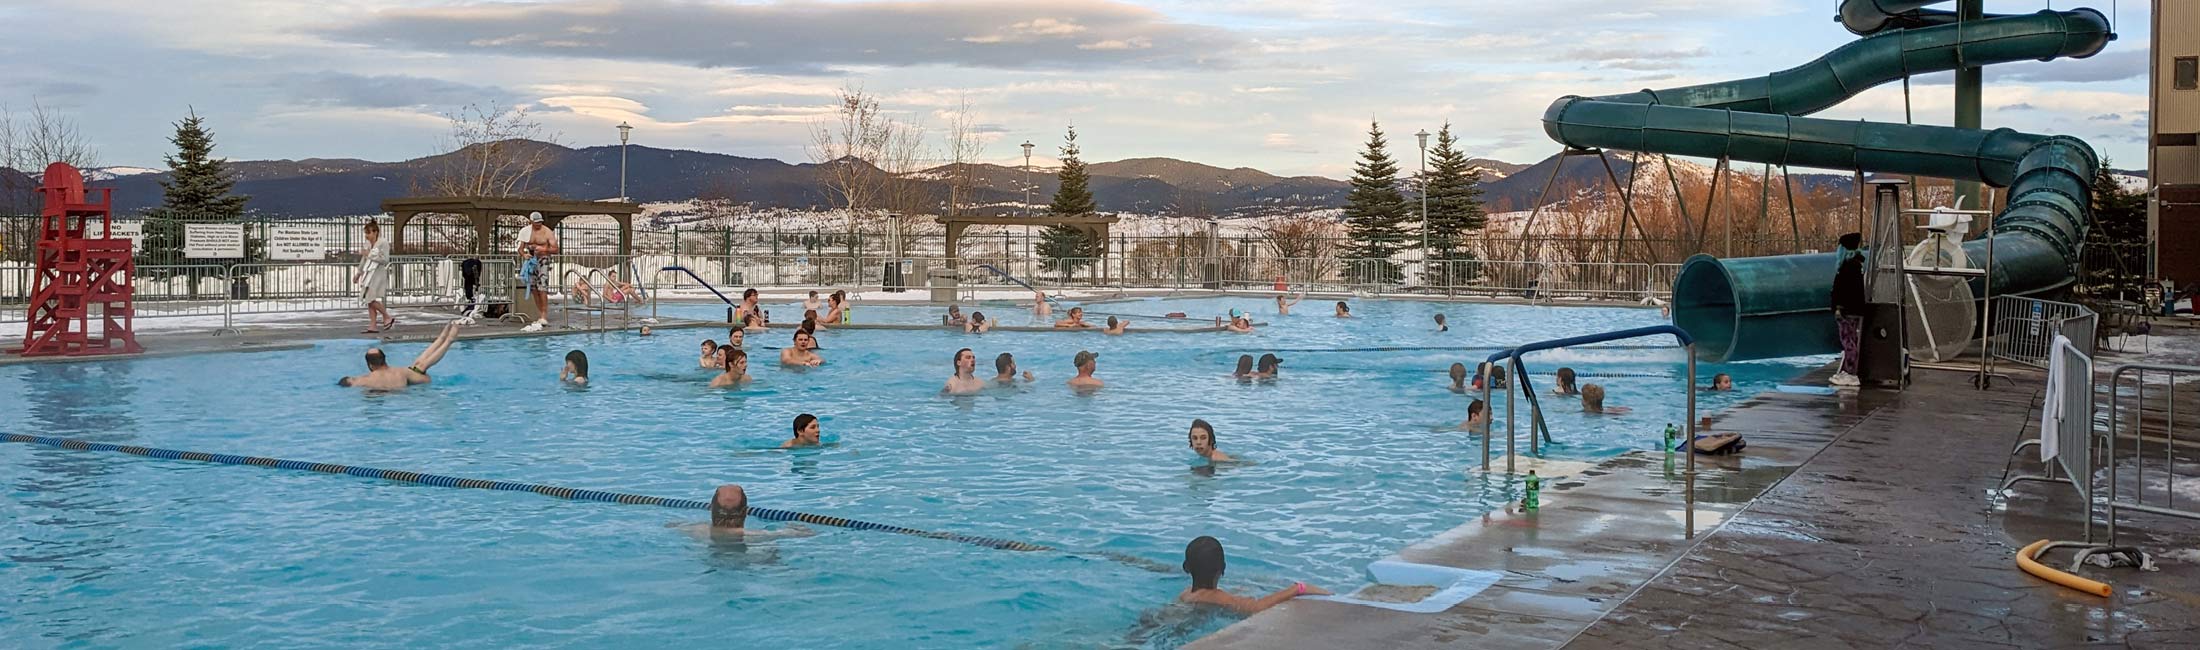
(131, 230)
(213, 240)
(294, 243)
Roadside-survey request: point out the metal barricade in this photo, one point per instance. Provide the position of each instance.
(2024, 329)
(183, 291)
(2070, 410)
(2137, 435)
(307, 287)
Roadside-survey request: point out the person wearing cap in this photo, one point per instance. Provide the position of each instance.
(1086, 361)
(1239, 322)
(537, 242)
(1266, 369)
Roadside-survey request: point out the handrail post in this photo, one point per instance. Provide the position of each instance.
(1510, 456)
(1487, 407)
(1689, 442)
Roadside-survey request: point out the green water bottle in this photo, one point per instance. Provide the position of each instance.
(1670, 434)
(1534, 496)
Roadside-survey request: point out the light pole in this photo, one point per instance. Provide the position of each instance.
(1422, 135)
(624, 131)
(1027, 176)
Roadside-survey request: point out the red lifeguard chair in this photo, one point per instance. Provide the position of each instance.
(79, 273)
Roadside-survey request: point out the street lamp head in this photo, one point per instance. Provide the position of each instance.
(1027, 148)
(624, 129)
(1423, 136)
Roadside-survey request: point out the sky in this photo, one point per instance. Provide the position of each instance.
(1286, 86)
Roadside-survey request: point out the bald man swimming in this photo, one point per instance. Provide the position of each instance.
(729, 519)
(380, 376)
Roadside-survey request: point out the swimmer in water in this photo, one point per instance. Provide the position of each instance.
(1459, 378)
(646, 331)
(803, 352)
(1244, 370)
(954, 316)
(1493, 375)
(1268, 367)
(1284, 308)
(837, 311)
(1343, 310)
(736, 371)
(1239, 323)
(965, 381)
(1440, 326)
(729, 519)
(735, 338)
(1564, 385)
(710, 358)
(1202, 440)
(1722, 382)
(806, 432)
(1076, 319)
(748, 306)
(811, 320)
(576, 368)
(1592, 401)
(1086, 361)
(1116, 327)
(1204, 560)
(1039, 306)
(978, 324)
(812, 303)
(380, 376)
(1478, 418)
(1004, 370)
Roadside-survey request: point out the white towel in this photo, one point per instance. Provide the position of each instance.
(2051, 410)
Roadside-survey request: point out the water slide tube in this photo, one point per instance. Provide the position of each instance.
(1767, 307)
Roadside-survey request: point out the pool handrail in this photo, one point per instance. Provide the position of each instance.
(1520, 380)
(698, 280)
(1019, 282)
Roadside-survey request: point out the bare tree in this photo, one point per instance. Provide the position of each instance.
(848, 147)
(30, 142)
(491, 150)
(1305, 246)
(964, 149)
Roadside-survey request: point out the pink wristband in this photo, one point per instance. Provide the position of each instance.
(1301, 587)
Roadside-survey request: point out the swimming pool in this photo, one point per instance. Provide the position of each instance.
(106, 549)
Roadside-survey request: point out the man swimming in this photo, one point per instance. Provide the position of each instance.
(1004, 370)
(1086, 362)
(954, 316)
(806, 432)
(576, 368)
(1204, 560)
(380, 376)
(1116, 327)
(1592, 401)
(977, 324)
(729, 519)
(966, 379)
(1284, 308)
(803, 352)
(1076, 319)
(1459, 378)
(1343, 310)
(1202, 440)
(1478, 418)
(1269, 365)
(736, 371)
(1440, 326)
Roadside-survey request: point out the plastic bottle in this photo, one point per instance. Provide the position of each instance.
(1533, 499)
(1670, 434)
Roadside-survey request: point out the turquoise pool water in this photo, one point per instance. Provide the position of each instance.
(102, 550)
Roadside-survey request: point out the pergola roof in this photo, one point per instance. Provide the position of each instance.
(507, 205)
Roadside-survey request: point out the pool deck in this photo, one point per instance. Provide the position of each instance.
(1867, 519)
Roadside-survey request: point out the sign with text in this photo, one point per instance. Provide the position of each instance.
(213, 240)
(294, 243)
(133, 231)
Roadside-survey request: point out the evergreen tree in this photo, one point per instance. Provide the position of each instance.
(198, 190)
(1375, 213)
(1454, 190)
(1065, 248)
(2115, 256)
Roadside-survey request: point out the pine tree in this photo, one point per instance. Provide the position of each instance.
(1065, 248)
(2115, 259)
(198, 190)
(1454, 188)
(1375, 213)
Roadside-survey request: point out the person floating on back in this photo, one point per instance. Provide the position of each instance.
(1204, 560)
(576, 368)
(380, 376)
(807, 433)
(1086, 362)
(965, 381)
(1592, 401)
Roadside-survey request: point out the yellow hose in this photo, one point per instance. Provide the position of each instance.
(2044, 572)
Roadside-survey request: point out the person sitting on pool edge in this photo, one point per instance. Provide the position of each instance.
(1459, 378)
(729, 518)
(1204, 560)
(1076, 319)
(1202, 440)
(978, 323)
(736, 370)
(1267, 368)
(1244, 370)
(1478, 418)
(1592, 401)
(380, 376)
(1116, 327)
(710, 358)
(576, 368)
(1440, 326)
(1722, 382)
(1086, 362)
(1004, 368)
(954, 316)
(1343, 310)
(806, 432)
(966, 379)
(803, 352)
(1564, 385)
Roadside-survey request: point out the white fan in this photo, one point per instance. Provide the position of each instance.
(1942, 312)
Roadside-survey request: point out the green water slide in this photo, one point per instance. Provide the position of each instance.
(1767, 307)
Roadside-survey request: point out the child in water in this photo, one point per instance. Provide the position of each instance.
(1204, 560)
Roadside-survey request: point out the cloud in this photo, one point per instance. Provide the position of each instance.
(2107, 117)
(2019, 106)
(330, 88)
(1285, 142)
(808, 37)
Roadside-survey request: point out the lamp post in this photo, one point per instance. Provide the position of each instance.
(1027, 176)
(1422, 135)
(625, 130)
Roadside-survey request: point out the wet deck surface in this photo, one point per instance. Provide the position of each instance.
(1869, 521)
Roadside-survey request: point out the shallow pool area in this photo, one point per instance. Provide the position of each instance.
(1354, 456)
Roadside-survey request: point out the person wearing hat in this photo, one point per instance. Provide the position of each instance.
(537, 242)
(1266, 369)
(1239, 322)
(1086, 361)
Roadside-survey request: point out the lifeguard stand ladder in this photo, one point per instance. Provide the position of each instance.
(79, 271)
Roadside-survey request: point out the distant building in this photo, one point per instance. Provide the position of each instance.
(2173, 142)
